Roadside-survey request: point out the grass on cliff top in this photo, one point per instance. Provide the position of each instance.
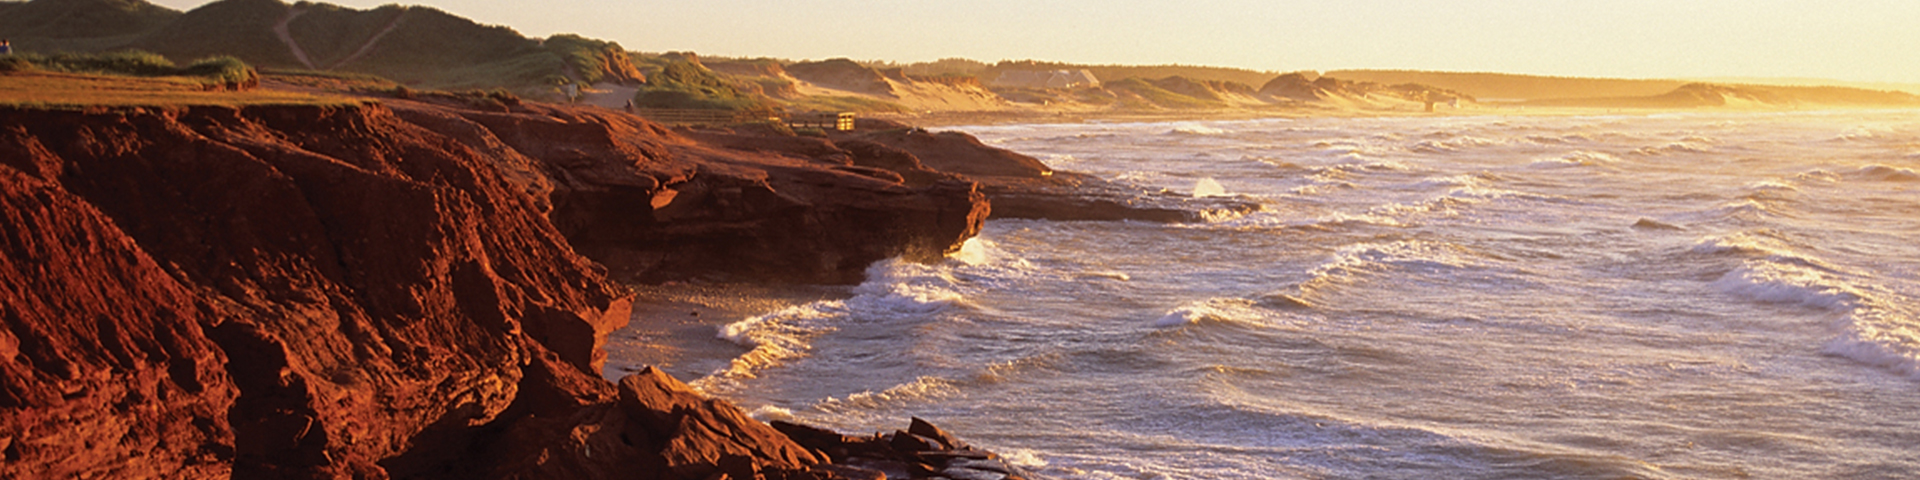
(69, 91)
(211, 70)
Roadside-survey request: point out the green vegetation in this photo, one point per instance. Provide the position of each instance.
(594, 61)
(686, 84)
(221, 70)
(79, 25)
(1160, 96)
(495, 99)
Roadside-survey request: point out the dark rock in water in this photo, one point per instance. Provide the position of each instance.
(1021, 186)
(907, 443)
(926, 429)
(921, 451)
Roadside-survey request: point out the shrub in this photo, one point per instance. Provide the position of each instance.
(224, 69)
(15, 63)
(684, 84)
(214, 70)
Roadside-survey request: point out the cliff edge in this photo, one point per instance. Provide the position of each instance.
(393, 290)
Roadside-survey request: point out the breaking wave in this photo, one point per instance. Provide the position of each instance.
(1876, 326)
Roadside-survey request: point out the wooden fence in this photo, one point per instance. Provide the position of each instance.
(842, 121)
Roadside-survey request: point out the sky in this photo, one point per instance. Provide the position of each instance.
(1854, 40)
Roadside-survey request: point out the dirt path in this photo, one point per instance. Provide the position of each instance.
(610, 95)
(280, 30)
(371, 41)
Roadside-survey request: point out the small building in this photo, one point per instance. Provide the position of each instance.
(1046, 79)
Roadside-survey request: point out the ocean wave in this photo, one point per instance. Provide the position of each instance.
(1675, 148)
(1238, 311)
(1323, 188)
(1765, 244)
(1578, 158)
(1556, 140)
(1748, 208)
(775, 337)
(1885, 173)
(1358, 262)
(1195, 129)
(1208, 187)
(1451, 203)
(1651, 224)
(1776, 282)
(895, 290)
(924, 387)
(1874, 328)
(1882, 335)
(1453, 145)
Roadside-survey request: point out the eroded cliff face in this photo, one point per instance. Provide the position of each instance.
(390, 291)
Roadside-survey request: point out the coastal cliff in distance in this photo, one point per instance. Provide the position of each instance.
(392, 290)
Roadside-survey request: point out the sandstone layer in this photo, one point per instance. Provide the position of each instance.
(393, 291)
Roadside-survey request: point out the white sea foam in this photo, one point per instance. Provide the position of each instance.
(894, 289)
(1214, 310)
(1578, 158)
(1452, 145)
(1208, 187)
(1775, 282)
(1885, 336)
(1689, 146)
(921, 388)
(1196, 129)
(769, 413)
(1873, 329)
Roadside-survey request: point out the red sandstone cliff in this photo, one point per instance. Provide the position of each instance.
(390, 291)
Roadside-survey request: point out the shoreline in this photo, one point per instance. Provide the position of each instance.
(675, 325)
(948, 119)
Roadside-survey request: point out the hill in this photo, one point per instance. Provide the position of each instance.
(419, 46)
(79, 25)
(1708, 95)
(1505, 86)
(1144, 72)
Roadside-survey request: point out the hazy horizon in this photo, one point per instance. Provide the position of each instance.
(1846, 40)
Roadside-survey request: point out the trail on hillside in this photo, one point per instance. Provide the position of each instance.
(610, 95)
(280, 30)
(367, 47)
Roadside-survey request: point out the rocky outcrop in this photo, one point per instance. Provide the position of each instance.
(369, 291)
(921, 451)
(1020, 186)
(323, 287)
(654, 205)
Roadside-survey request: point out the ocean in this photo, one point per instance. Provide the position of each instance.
(1690, 295)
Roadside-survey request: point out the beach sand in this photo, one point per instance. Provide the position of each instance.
(675, 326)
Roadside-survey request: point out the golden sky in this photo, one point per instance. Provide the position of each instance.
(1857, 40)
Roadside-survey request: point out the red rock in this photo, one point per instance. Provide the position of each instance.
(335, 292)
(104, 366)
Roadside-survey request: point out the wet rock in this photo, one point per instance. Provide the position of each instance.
(1021, 186)
(922, 451)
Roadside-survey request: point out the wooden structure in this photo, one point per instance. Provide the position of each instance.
(842, 121)
(690, 116)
